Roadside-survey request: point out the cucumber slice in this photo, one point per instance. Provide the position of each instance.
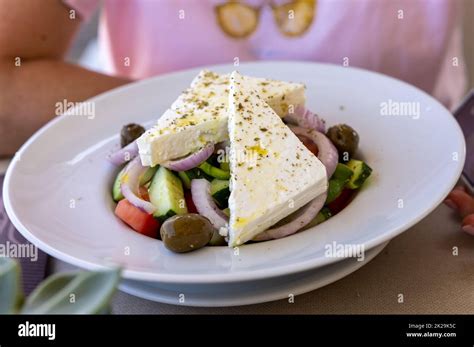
(225, 166)
(335, 188)
(342, 173)
(144, 179)
(220, 192)
(116, 192)
(218, 185)
(214, 171)
(322, 216)
(188, 176)
(148, 175)
(361, 170)
(339, 179)
(166, 193)
(185, 178)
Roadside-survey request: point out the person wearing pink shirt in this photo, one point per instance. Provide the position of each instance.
(418, 41)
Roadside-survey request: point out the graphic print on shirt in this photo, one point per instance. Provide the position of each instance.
(239, 20)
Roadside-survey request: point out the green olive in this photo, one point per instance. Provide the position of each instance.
(187, 232)
(344, 138)
(130, 133)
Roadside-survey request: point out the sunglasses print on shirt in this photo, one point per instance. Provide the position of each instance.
(239, 20)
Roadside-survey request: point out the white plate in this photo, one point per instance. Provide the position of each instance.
(247, 292)
(58, 192)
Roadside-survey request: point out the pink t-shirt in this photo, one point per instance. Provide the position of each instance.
(418, 41)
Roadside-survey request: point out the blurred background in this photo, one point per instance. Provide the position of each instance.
(85, 50)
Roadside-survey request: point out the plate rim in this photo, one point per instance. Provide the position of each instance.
(339, 271)
(229, 276)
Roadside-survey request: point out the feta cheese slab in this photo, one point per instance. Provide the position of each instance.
(272, 173)
(199, 115)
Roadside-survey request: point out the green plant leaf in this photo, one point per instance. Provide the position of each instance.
(11, 295)
(73, 293)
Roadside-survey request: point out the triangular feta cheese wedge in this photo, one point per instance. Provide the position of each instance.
(272, 173)
(199, 115)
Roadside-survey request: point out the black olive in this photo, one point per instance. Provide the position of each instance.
(187, 232)
(345, 139)
(130, 133)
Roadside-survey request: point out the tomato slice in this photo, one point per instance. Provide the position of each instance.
(309, 144)
(137, 219)
(341, 201)
(189, 202)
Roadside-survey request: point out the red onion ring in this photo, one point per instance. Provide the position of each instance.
(201, 193)
(124, 154)
(304, 118)
(191, 161)
(130, 183)
(302, 218)
(327, 153)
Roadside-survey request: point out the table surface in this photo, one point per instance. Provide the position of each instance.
(431, 265)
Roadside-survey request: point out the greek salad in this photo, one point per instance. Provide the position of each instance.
(235, 159)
